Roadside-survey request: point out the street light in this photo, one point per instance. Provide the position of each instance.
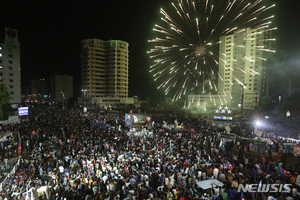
(63, 99)
(84, 107)
(242, 106)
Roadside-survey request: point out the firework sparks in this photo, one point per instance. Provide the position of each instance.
(188, 38)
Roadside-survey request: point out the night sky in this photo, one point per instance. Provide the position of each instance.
(50, 36)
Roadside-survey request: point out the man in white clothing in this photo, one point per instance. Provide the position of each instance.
(216, 173)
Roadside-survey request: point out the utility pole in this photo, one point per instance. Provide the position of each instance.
(84, 108)
(290, 88)
(63, 99)
(242, 107)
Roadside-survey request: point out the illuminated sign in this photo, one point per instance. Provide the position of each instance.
(23, 111)
(137, 119)
(222, 118)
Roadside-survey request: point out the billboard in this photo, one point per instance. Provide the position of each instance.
(222, 117)
(137, 119)
(23, 111)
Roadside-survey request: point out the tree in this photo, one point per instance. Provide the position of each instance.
(4, 102)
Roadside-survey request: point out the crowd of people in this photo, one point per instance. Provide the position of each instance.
(61, 151)
(282, 125)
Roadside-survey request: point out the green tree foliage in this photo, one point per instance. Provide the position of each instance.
(4, 102)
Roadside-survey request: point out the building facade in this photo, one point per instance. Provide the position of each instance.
(104, 68)
(38, 88)
(207, 102)
(107, 103)
(10, 64)
(242, 65)
(61, 88)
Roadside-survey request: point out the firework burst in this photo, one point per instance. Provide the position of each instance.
(186, 49)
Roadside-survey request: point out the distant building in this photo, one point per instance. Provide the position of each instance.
(61, 84)
(104, 68)
(111, 102)
(38, 88)
(10, 65)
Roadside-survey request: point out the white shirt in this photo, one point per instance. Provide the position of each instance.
(289, 198)
(105, 178)
(298, 180)
(166, 181)
(216, 171)
(61, 169)
(217, 190)
(199, 174)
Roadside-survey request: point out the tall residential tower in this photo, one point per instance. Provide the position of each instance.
(243, 62)
(104, 68)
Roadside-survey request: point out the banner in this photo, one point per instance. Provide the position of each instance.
(137, 119)
(142, 134)
(19, 146)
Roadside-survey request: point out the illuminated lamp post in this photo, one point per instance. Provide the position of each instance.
(84, 107)
(63, 94)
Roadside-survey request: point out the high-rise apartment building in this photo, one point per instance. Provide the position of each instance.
(104, 68)
(10, 64)
(242, 62)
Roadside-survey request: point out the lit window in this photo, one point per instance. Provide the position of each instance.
(0, 54)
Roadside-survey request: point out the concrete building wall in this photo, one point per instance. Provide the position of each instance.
(105, 101)
(104, 68)
(242, 62)
(10, 64)
(59, 84)
(208, 102)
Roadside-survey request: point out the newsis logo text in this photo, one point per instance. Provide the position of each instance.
(264, 188)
